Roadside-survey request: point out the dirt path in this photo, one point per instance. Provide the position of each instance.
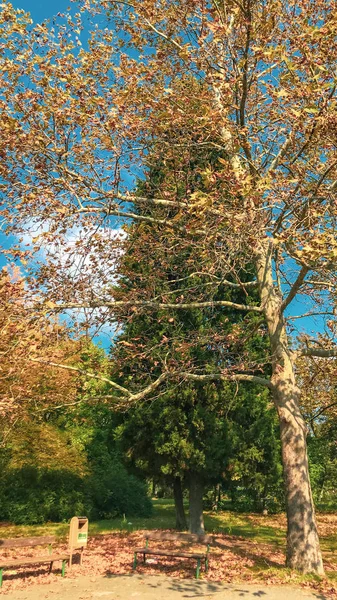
(139, 587)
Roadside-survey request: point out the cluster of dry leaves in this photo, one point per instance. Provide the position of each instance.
(232, 558)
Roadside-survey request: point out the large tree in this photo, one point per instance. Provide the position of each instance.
(256, 79)
(184, 433)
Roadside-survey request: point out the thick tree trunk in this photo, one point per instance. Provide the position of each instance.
(303, 550)
(181, 522)
(196, 488)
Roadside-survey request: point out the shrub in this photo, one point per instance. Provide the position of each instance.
(116, 493)
(29, 495)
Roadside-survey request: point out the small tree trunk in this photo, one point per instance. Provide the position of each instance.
(181, 522)
(196, 487)
(320, 497)
(303, 550)
(217, 496)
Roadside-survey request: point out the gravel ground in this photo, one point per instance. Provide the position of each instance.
(156, 588)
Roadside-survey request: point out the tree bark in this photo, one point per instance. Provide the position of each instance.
(196, 488)
(303, 549)
(217, 496)
(181, 522)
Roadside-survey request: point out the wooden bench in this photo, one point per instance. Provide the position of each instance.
(7, 563)
(183, 538)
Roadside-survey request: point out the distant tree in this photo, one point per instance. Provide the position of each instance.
(28, 386)
(253, 475)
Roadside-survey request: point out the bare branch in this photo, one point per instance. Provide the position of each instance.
(312, 314)
(130, 397)
(229, 377)
(274, 164)
(220, 281)
(111, 195)
(323, 176)
(296, 286)
(319, 352)
(117, 387)
(333, 186)
(321, 411)
(157, 305)
(244, 93)
(110, 212)
(150, 388)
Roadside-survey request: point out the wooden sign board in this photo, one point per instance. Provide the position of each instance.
(78, 534)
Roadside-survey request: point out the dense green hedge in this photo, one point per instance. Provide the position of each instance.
(29, 495)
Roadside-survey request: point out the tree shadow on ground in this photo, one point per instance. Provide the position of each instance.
(243, 548)
(191, 588)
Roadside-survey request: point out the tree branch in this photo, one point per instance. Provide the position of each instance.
(321, 411)
(109, 212)
(274, 164)
(312, 314)
(220, 281)
(157, 305)
(296, 286)
(117, 387)
(319, 352)
(129, 397)
(228, 377)
(150, 388)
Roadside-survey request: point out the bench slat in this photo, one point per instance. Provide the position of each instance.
(191, 538)
(34, 560)
(23, 542)
(169, 553)
(177, 552)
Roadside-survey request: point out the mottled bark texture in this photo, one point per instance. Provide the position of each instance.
(303, 550)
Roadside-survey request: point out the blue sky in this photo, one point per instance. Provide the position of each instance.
(42, 9)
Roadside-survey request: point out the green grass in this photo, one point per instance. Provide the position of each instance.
(245, 525)
(163, 518)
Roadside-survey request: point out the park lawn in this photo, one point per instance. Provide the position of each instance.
(261, 529)
(252, 547)
(247, 525)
